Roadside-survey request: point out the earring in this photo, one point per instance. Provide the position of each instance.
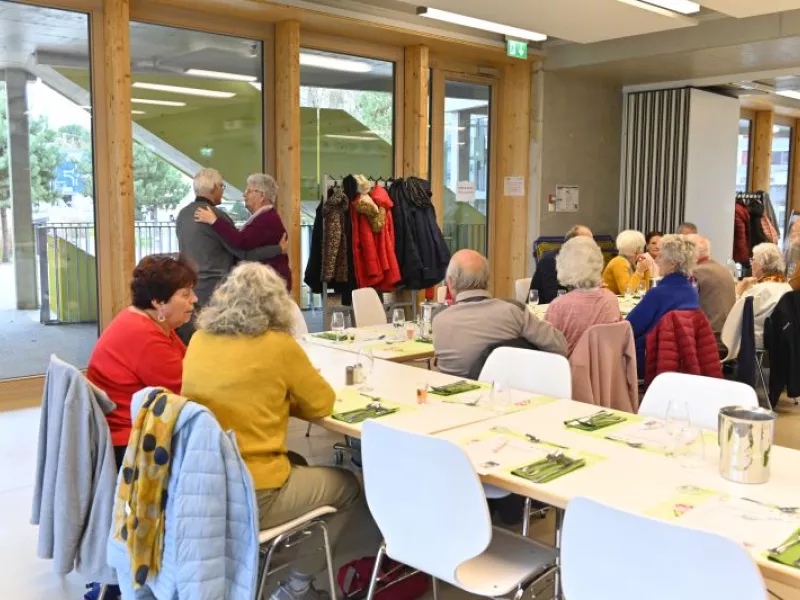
(160, 317)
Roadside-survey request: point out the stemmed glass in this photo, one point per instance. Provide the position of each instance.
(533, 298)
(337, 325)
(399, 321)
(366, 359)
(688, 443)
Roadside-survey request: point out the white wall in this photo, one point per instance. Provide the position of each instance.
(711, 169)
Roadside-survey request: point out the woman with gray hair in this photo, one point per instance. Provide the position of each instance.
(767, 286)
(263, 228)
(677, 257)
(625, 272)
(580, 267)
(245, 366)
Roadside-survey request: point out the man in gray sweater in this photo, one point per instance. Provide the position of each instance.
(715, 286)
(476, 321)
(212, 256)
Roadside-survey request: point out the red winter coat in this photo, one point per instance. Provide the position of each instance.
(682, 342)
(374, 258)
(741, 234)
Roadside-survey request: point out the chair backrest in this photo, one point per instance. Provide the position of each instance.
(368, 308)
(521, 288)
(704, 396)
(441, 294)
(300, 327)
(426, 499)
(607, 553)
(529, 370)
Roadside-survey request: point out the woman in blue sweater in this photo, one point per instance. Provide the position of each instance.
(676, 259)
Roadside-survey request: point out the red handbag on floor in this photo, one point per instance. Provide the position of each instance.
(354, 577)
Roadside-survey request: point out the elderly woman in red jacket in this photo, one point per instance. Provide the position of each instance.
(263, 228)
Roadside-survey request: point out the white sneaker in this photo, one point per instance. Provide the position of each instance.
(285, 591)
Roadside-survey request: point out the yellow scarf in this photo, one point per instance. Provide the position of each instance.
(142, 497)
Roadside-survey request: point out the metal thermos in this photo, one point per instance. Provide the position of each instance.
(745, 442)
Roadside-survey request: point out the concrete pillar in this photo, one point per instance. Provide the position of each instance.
(20, 187)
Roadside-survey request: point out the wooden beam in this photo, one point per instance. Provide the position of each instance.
(113, 143)
(508, 214)
(762, 150)
(287, 138)
(437, 144)
(794, 185)
(25, 392)
(415, 109)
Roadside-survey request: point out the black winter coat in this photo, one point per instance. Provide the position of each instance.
(782, 341)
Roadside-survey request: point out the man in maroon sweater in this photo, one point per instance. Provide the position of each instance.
(263, 228)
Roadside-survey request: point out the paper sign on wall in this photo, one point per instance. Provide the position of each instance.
(514, 187)
(465, 191)
(567, 198)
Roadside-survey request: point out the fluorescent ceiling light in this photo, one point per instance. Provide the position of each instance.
(789, 94)
(334, 64)
(220, 75)
(255, 84)
(177, 89)
(157, 102)
(685, 7)
(138, 112)
(361, 138)
(457, 19)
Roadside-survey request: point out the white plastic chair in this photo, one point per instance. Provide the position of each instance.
(607, 553)
(441, 294)
(428, 503)
(521, 288)
(529, 370)
(731, 334)
(705, 397)
(292, 533)
(368, 308)
(300, 327)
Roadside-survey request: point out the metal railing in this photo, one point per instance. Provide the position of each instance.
(458, 236)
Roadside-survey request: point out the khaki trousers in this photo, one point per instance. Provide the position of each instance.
(306, 489)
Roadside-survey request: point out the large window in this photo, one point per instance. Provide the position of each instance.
(466, 165)
(743, 155)
(779, 173)
(48, 259)
(197, 102)
(346, 127)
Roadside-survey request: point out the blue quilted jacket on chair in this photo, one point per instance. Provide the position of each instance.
(211, 534)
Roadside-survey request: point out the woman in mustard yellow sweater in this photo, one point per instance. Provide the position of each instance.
(626, 271)
(245, 366)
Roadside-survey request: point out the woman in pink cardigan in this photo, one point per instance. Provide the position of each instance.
(264, 227)
(580, 268)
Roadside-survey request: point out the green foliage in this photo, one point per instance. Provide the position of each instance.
(376, 111)
(156, 183)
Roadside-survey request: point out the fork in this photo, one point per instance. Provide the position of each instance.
(624, 441)
(790, 543)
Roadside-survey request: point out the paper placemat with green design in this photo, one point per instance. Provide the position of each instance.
(686, 498)
(599, 421)
(523, 455)
(788, 552)
(330, 336)
(458, 387)
(400, 348)
(481, 397)
(355, 407)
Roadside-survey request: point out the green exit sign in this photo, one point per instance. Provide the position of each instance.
(517, 49)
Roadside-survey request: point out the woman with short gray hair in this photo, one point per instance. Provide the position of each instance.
(627, 271)
(677, 257)
(245, 366)
(263, 228)
(580, 267)
(767, 286)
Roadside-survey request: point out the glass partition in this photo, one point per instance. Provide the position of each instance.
(743, 155)
(779, 173)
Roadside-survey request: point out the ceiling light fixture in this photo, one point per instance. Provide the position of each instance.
(789, 94)
(157, 102)
(334, 64)
(457, 19)
(255, 84)
(220, 75)
(685, 7)
(360, 138)
(177, 89)
(138, 112)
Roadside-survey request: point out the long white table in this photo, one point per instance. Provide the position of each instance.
(384, 341)
(627, 478)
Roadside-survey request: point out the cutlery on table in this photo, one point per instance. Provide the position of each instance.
(624, 441)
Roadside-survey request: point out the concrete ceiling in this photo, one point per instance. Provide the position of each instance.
(750, 8)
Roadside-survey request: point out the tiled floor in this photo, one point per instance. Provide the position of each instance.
(25, 576)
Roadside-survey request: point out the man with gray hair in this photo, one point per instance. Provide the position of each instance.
(212, 256)
(715, 286)
(687, 228)
(477, 321)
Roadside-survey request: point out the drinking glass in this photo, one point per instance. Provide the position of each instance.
(399, 321)
(677, 416)
(561, 293)
(337, 324)
(690, 448)
(642, 289)
(629, 291)
(500, 395)
(366, 359)
(533, 298)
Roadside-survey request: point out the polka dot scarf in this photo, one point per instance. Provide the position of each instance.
(142, 498)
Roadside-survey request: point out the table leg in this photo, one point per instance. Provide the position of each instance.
(558, 594)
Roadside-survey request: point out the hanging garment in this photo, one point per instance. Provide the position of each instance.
(384, 241)
(421, 229)
(769, 213)
(313, 274)
(334, 244)
(741, 234)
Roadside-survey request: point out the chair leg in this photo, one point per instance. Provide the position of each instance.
(308, 431)
(558, 586)
(759, 361)
(265, 570)
(435, 587)
(329, 560)
(103, 592)
(373, 582)
(526, 517)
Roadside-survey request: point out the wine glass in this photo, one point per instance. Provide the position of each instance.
(399, 321)
(533, 298)
(561, 293)
(642, 289)
(677, 418)
(337, 324)
(366, 360)
(500, 395)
